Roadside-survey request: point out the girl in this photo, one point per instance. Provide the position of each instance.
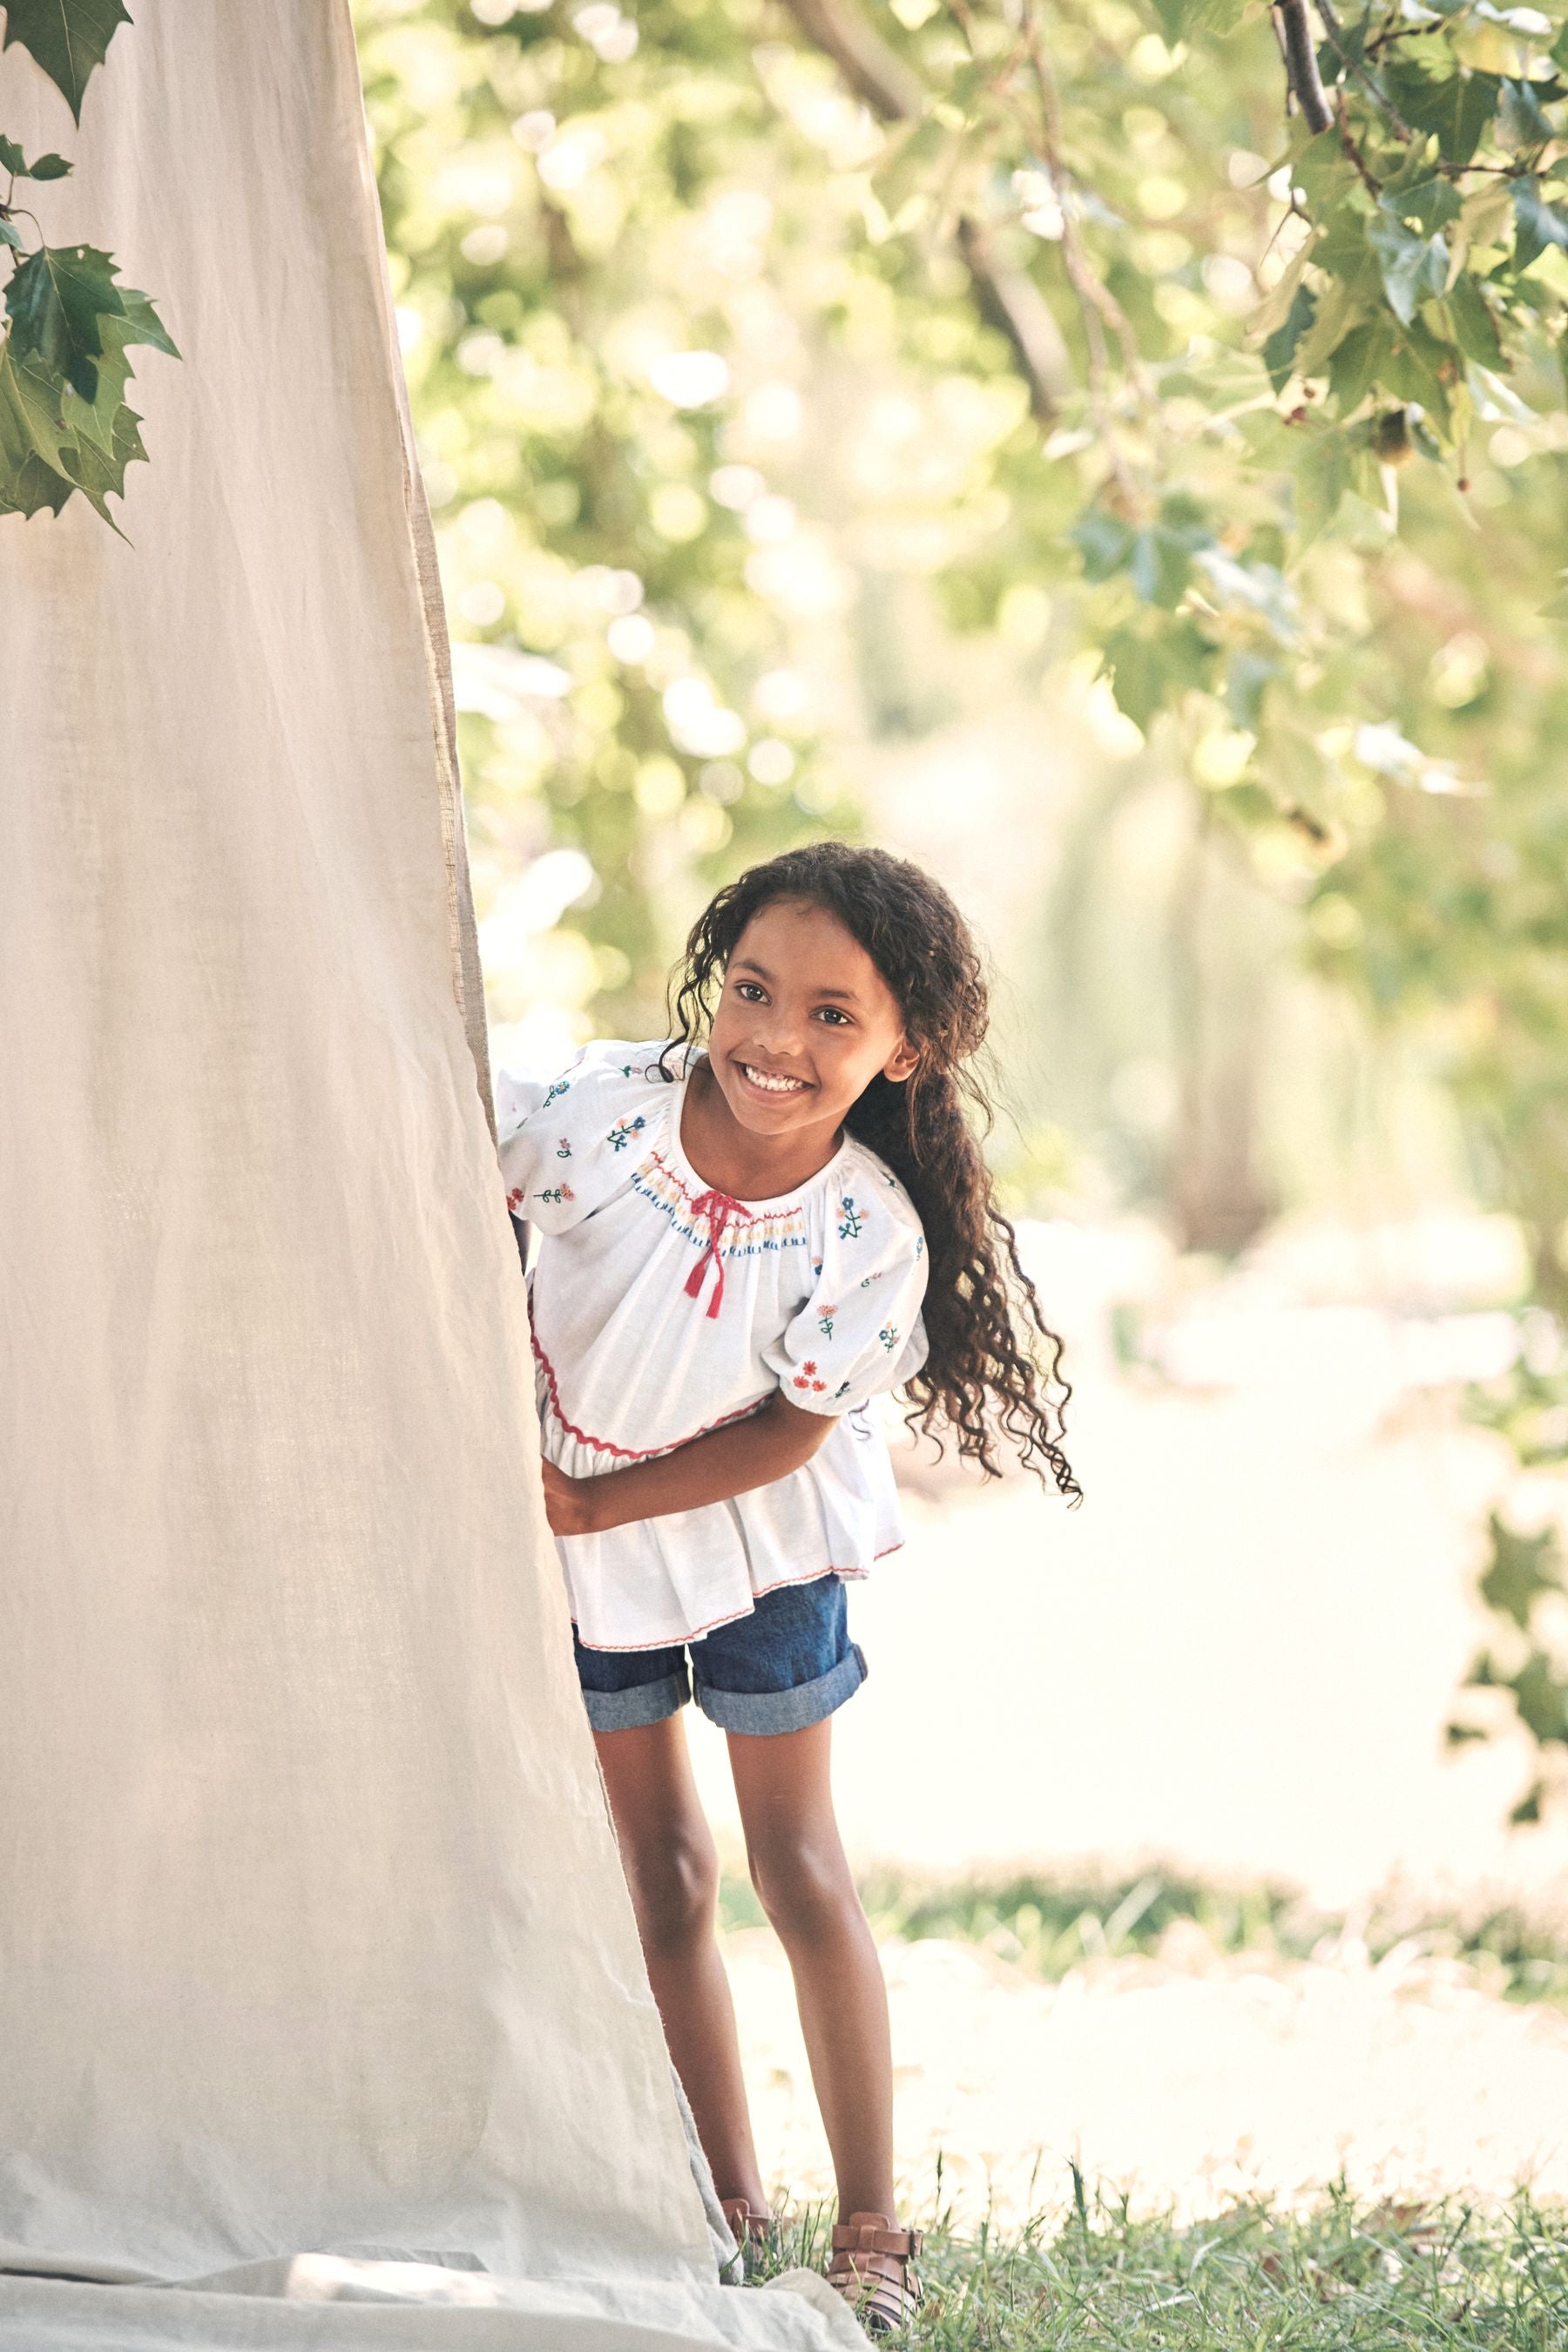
(750, 1232)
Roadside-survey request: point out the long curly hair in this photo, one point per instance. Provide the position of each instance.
(986, 1377)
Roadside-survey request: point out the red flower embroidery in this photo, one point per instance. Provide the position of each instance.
(808, 1366)
(514, 1198)
(819, 1385)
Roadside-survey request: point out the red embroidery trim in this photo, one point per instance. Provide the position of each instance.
(628, 1453)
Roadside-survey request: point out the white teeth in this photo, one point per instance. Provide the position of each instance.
(772, 1086)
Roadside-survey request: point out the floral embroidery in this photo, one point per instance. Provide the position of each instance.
(514, 1198)
(563, 1149)
(850, 1221)
(824, 1316)
(842, 1390)
(561, 1087)
(556, 1195)
(621, 1134)
(919, 1244)
(889, 1336)
(867, 1279)
(804, 1378)
(816, 1266)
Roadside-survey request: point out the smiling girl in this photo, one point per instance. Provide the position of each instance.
(750, 1230)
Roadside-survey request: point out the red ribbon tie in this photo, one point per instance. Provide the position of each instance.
(717, 1207)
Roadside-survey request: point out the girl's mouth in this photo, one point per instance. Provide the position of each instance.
(768, 1082)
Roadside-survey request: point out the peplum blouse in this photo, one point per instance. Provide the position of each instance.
(662, 1308)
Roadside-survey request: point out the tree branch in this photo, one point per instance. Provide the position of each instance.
(874, 72)
(1007, 299)
(1300, 54)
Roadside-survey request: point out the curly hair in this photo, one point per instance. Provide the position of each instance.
(982, 1379)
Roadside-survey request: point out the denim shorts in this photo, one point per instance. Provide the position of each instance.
(787, 1665)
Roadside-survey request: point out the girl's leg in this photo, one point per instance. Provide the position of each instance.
(667, 1850)
(800, 1872)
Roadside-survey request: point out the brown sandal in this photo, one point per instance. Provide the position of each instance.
(873, 2269)
(749, 2231)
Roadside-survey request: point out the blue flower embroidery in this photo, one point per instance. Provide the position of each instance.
(849, 1223)
(561, 1087)
(889, 1336)
(621, 1134)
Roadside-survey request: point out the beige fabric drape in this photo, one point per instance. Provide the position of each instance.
(313, 1939)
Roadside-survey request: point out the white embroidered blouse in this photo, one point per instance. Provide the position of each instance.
(663, 1308)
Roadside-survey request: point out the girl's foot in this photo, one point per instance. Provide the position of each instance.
(750, 2230)
(873, 2269)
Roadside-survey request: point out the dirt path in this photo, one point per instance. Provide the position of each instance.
(1239, 1657)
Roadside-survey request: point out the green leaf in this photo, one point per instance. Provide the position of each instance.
(1457, 110)
(48, 167)
(141, 324)
(30, 439)
(57, 301)
(33, 488)
(1520, 123)
(1427, 203)
(67, 37)
(1473, 326)
(1537, 224)
(1280, 350)
(1103, 542)
(1322, 477)
(1542, 1700)
(1355, 364)
(10, 234)
(1324, 171)
(94, 420)
(1412, 267)
(99, 473)
(1180, 19)
(30, 421)
(1522, 1568)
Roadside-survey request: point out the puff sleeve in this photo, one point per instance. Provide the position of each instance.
(566, 1143)
(860, 1333)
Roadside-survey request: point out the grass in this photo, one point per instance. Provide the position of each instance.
(1048, 1925)
(1343, 2278)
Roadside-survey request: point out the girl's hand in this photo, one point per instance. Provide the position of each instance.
(569, 1503)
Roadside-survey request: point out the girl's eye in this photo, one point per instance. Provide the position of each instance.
(832, 1012)
(751, 990)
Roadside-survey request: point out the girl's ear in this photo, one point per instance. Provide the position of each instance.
(901, 1062)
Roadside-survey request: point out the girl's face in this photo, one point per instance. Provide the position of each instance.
(805, 1023)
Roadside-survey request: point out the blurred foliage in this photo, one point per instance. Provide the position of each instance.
(65, 423)
(1049, 1925)
(1218, 346)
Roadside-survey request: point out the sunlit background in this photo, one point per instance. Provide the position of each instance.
(1196, 1851)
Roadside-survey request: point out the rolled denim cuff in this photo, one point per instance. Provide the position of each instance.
(766, 1713)
(628, 1710)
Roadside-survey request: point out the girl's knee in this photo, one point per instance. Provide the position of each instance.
(674, 1888)
(803, 1884)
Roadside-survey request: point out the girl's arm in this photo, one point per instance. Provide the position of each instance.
(752, 1453)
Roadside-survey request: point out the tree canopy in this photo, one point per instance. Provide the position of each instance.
(1216, 345)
